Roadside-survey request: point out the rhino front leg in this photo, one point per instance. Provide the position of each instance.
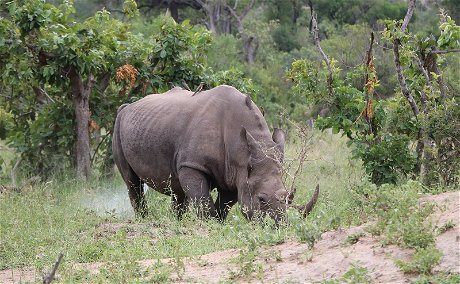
(224, 202)
(179, 204)
(195, 185)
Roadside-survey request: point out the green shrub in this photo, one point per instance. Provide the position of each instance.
(423, 262)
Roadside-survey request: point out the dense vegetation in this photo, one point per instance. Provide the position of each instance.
(67, 66)
(382, 80)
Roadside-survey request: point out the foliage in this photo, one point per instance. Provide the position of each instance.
(233, 77)
(356, 274)
(46, 44)
(382, 131)
(443, 126)
(386, 160)
(401, 219)
(423, 262)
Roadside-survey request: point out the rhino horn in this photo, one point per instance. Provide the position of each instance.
(306, 209)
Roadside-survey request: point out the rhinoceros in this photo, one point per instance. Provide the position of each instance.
(185, 144)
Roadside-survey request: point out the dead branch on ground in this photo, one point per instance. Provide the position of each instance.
(50, 277)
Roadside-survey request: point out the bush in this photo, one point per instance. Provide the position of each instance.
(443, 127)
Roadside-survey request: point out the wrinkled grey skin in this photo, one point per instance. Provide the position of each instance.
(184, 146)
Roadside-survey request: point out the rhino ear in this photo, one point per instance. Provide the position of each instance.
(279, 137)
(255, 151)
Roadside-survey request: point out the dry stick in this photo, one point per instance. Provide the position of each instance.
(50, 277)
(367, 92)
(402, 81)
(97, 147)
(436, 51)
(442, 87)
(423, 97)
(315, 33)
(369, 59)
(13, 173)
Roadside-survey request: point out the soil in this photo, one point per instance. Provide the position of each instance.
(290, 261)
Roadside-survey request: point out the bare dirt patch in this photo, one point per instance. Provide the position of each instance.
(330, 258)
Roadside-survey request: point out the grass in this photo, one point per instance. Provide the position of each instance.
(93, 222)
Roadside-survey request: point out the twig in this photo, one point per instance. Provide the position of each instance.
(436, 51)
(315, 33)
(423, 98)
(410, 11)
(401, 79)
(13, 173)
(98, 145)
(50, 277)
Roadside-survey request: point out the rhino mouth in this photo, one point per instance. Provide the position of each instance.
(279, 215)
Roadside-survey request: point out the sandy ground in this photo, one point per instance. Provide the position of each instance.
(294, 262)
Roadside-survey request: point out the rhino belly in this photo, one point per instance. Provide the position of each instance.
(149, 149)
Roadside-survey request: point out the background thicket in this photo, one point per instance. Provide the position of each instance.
(67, 66)
(367, 91)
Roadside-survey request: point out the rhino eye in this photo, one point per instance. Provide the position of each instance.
(263, 198)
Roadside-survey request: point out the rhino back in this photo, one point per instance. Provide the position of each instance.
(164, 132)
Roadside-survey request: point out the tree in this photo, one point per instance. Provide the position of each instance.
(51, 63)
(382, 130)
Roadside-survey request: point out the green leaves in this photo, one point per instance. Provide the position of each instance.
(450, 34)
(48, 43)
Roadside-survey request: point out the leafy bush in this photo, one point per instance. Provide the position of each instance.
(443, 127)
(386, 160)
(423, 262)
(400, 218)
(36, 82)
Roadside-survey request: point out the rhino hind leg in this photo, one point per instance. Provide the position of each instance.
(196, 187)
(136, 193)
(224, 202)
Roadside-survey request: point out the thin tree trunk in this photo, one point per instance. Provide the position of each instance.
(80, 97)
(173, 9)
(315, 33)
(251, 45)
(403, 85)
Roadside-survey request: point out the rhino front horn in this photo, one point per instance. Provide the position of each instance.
(305, 209)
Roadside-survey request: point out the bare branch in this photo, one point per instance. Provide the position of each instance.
(99, 145)
(436, 51)
(50, 277)
(315, 33)
(423, 97)
(410, 11)
(105, 81)
(401, 79)
(13, 173)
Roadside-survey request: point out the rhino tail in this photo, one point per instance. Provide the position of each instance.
(122, 107)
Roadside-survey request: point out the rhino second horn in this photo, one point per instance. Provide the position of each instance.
(306, 209)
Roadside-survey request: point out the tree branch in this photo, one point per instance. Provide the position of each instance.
(423, 97)
(401, 79)
(410, 11)
(436, 51)
(315, 33)
(105, 81)
(50, 277)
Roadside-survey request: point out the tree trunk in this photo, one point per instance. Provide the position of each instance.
(80, 97)
(173, 9)
(251, 45)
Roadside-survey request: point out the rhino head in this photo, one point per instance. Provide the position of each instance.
(265, 192)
